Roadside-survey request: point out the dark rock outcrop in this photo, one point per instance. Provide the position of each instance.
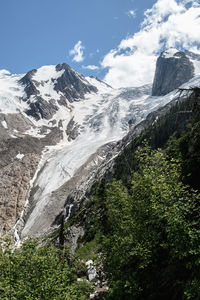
(72, 84)
(72, 130)
(42, 109)
(30, 88)
(171, 72)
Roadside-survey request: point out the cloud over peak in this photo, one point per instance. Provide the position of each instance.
(168, 23)
(77, 52)
(90, 67)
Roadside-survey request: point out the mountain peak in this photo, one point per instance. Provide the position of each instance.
(173, 68)
(50, 86)
(63, 66)
(47, 73)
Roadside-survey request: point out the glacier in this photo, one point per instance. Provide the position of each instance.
(89, 125)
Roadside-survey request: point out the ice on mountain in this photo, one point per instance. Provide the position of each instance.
(47, 73)
(196, 64)
(101, 86)
(11, 93)
(19, 156)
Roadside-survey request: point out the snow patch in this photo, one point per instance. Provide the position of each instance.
(46, 77)
(196, 64)
(36, 132)
(17, 239)
(171, 52)
(13, 136)
(100, 85)
(69, 213)
(19, 156)
(4, 123)
(47, 73)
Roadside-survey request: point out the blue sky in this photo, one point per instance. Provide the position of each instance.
(38, 32)
(106, 34)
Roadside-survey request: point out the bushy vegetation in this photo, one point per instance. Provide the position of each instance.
(152, 246)
(36, 273)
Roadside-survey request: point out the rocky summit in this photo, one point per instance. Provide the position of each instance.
(173, 68)
(59, 131)
(66, 84)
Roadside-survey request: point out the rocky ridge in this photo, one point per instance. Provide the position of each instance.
(67, 85)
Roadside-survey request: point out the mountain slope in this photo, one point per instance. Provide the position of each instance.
(58, 129)
(146, 222)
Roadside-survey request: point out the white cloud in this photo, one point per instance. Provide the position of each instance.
(77, 52)
(90, 67)
(4, 73)
(167, 24)
(131, 13)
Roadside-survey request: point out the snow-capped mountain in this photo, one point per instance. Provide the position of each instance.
(58, 129)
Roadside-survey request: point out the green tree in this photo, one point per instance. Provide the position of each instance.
(152, 250)
(35, 273)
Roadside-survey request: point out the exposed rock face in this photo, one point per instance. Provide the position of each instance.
(12, 123)
(14, 186)
(173, 68)
(42, 109)
(72, 236)
(30, 88)
(71, 84)
(20, 154)
(72, 130)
